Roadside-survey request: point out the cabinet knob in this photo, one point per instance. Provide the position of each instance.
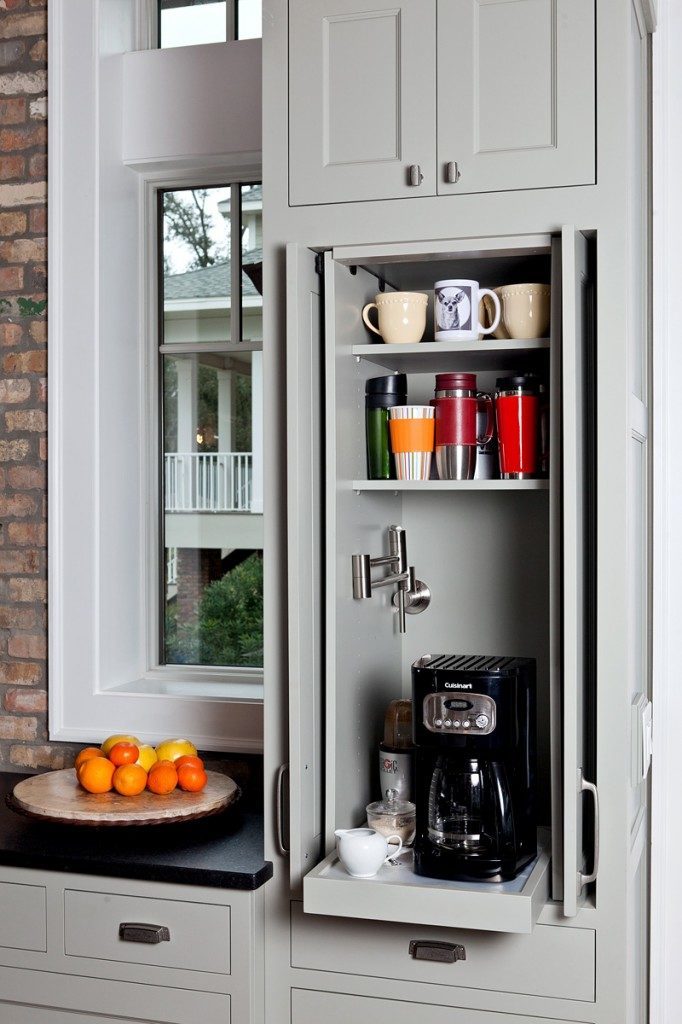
(414, 175)
(452, 172)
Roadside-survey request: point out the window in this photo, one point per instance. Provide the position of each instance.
(188, 22)
(212, 435)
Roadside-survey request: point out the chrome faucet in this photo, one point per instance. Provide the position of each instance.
(411, 595)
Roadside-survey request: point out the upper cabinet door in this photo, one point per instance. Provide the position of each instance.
(516, 94)
(362, 96)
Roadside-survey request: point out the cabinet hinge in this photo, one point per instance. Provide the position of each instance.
(319, 263)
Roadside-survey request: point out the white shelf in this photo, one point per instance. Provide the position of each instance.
(397, 894)
(450, 485)
(430, 356)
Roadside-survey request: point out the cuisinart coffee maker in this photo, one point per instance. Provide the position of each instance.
(474, 730)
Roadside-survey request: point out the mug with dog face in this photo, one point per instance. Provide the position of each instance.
(456, 310)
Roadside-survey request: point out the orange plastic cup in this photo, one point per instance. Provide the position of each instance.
(415, 435)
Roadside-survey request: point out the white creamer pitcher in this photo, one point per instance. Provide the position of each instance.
(362, 851)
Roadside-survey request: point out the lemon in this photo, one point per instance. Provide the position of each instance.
(147, 756)
(171, 750)
(111, 741)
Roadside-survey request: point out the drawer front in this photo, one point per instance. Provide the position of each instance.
(308, 1007)
(551, 961)
(23, 916)
(199, 932)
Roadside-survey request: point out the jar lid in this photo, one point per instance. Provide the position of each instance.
(395, 384)
(526, 381)
(455, 382)
(391, 804)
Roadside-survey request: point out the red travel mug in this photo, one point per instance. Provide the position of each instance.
(457, 403)
(517, 410)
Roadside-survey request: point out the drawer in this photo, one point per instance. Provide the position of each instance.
(199, 932)
(309, 1007)
(23, 916)
(551, 961)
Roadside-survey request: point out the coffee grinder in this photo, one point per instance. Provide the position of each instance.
(474, 731)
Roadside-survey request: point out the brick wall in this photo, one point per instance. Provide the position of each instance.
(23, 388)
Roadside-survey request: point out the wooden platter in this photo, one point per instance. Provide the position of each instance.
(57, 797)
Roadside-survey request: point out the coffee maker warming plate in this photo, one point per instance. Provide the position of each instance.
(448, 713)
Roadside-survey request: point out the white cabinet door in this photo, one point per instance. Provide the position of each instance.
(361, 99)
(516, 94)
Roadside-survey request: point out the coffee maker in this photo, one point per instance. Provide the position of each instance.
(474, 731)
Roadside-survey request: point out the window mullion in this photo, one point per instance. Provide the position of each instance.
(231, 16)
(235, 264)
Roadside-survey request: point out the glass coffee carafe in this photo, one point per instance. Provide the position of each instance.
(470, 809)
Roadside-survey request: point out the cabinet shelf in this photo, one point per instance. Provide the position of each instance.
(450, 485)
(431, 356)
(397, 894)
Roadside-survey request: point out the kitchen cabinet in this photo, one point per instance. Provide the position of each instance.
(416, 99)
(64, 955)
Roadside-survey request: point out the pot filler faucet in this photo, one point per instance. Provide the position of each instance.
(411, 596)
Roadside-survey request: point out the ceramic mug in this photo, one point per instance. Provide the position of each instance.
(401, 315)
(525, 311)
(456, 310)
(362, 851)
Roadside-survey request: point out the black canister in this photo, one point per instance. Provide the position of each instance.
(381, 394)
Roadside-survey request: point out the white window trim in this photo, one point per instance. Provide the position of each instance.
(101, 676)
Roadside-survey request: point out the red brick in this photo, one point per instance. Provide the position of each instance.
(13, 390)
(19, 562)
(12, 224)
(38, 165)
(23, 249)
(43, 756)
(22, 138)
(11, 5)
(42, 390)
(12, 617)
(37, 3)
(27, 590)
(17, 505)
(13, 110)
(31, 701)
(26, 645)
(11, 279)
(14, 451)
(12, 168)
(18, 728)
(34, 420)
(20, 534)
(37, 220)
(20, 673)
(42, 448)
(26, 478)
(10, 334)
(14, 25)
(25, 362)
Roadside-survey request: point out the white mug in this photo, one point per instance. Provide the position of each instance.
(456, 310)
(362, 851)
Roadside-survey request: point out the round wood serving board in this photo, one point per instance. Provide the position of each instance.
(57, 797)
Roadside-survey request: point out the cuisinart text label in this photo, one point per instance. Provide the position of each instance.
(458, 686)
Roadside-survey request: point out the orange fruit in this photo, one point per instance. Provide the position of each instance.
(196, 762)
(191, 778)
(84, 755)
(96, 774)
(129, 779)
(110, 741)
(124, 753)
(162, 778)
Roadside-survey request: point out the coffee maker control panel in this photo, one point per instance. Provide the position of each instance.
(452, 713)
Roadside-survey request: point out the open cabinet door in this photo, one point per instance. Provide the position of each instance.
(305, 485)
(577, 337)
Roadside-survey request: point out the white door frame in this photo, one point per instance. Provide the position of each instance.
(666, 831)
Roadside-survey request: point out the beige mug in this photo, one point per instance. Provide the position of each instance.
(401, 315)
(525, 311)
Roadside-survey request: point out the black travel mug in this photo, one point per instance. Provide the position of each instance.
(381, 394)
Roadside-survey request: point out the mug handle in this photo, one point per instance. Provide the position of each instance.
(485, 399)
(397, 853)
(498, 310)
(365, 316)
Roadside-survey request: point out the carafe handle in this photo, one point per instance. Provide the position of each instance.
(392, 856)
(485, 399)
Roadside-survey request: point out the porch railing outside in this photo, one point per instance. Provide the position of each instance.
(208, 481)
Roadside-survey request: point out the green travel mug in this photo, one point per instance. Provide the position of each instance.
(381, 394)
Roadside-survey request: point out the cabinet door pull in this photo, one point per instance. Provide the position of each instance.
(440, 952)
(414, 175)
(589, 787)
(134, 931)
(279, 810)
(452, 173)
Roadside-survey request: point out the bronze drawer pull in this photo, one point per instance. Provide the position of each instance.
(439, 952)
(150, 933)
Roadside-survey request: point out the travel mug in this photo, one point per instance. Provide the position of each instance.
(381, 394)
(517, 409)
(411, 429)
(457, 405)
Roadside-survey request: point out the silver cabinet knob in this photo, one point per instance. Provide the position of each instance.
(414, 174)
(452, 173)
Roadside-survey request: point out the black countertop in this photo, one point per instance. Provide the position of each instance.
(224, 851)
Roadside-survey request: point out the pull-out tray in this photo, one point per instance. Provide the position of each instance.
(396, 893)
